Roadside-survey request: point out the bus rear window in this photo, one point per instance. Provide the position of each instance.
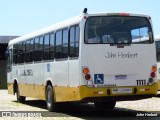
(117, 30)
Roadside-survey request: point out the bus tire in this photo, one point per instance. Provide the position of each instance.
(51, 104)
(20, 99)
(105, 105)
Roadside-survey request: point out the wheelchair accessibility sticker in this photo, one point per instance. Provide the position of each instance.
(98, 79)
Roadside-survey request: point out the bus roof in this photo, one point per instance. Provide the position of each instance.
(50, 28)
(66, 23)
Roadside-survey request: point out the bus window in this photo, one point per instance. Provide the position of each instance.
(74, 42)
(46, 47)
(20, 53)
(27, 53)
(58, 50)
(118, 30)
(41, 47)
(15, 53)
(139, 34)
(31, 50)
(36, 49)
(65, 44)
(51, 37)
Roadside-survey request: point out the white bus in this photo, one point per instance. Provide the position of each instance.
(100, 58)
(157, 41)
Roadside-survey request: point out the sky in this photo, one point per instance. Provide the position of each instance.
(19, 17)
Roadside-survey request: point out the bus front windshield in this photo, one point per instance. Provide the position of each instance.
(118, 30)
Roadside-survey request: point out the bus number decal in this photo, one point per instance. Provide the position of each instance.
(141, 82)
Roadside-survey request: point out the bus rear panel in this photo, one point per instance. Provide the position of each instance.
(118, 58)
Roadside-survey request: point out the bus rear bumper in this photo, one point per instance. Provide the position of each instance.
(101, 94)
(117, 98)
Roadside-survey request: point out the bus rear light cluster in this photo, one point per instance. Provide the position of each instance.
(154, 68)
(150, 80)
(153, 73)
(87, 76)
(86, 73)
(85, 70)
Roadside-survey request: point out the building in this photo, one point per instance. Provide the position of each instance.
(3, 62)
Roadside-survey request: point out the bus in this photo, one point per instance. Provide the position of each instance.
(157, 41)
(100, 58)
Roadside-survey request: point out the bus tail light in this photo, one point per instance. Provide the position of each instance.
(150, 80)
(154, 69)
(87, 77)
(86, 73)
(85, 70)
(153, 74)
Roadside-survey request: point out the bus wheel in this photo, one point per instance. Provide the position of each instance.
(51, 104)
(105, 105)
(20, 99)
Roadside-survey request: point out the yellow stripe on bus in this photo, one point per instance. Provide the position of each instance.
(78, 93)
(158, 84)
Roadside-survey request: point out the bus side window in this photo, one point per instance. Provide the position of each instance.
(58, 45)
(15, 54)
(65, 44)
(41, 47)
(74, 42)
(27, 52)
(9, 60)
(46, 47)
(23, 53)
(36, 49)
(20, 53)
(31, 50)
(51, 53)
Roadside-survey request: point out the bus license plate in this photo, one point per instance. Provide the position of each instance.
(121, 90)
